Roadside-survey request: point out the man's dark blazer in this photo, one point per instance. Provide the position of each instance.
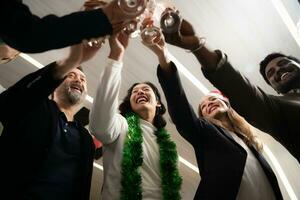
(29, 33)
(30, 120)
(275, 115)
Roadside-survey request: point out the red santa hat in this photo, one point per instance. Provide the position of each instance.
(216, 93)
(219, 95)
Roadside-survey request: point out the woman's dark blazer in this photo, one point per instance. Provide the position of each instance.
(220, 159)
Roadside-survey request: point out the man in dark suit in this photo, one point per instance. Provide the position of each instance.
(44, 152)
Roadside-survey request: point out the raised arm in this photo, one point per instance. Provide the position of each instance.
(180, 110)
(29, 33)
(245, 98)
(28, 92)
(34, 88)
(105, 121)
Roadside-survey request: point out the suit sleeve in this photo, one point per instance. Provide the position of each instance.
(248, 100)
(181, 112)
(29, 33)
(27, 93)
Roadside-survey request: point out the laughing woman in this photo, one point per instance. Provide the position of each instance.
(228, 154)
(139, 159)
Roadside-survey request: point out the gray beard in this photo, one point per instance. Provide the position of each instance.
(73, 97)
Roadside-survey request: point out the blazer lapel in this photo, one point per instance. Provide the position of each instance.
(269, 172)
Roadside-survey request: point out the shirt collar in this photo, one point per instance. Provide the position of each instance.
(64, 118)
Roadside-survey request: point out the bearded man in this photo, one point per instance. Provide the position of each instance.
(56, 158)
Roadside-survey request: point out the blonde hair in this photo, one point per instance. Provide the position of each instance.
(240, 126)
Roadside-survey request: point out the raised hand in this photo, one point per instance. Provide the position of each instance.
(117, 17)
(184, 38)
(118, 43)
(160, 49)
(78, 54)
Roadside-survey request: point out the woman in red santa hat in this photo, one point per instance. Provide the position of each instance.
(228, 153)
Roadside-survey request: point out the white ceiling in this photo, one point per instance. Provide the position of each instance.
(246, 30)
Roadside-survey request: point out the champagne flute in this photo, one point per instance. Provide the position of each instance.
(163, 13)
(167, 15)
(150, 34)
(133, 27)
(170, 21)
(132, 7)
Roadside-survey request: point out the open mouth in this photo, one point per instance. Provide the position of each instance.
(285, 73)
(76, 88)
(212, 108)
(141, 99)
(284, 76)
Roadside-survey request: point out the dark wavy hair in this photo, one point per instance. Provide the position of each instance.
(79, 68)
(125, 107)
(263, 64)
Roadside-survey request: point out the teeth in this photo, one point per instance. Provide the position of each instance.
(141, 99)
(76, 88)
(283, 75)
(212, 108)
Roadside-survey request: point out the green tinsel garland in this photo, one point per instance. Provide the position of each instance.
(133, 158)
